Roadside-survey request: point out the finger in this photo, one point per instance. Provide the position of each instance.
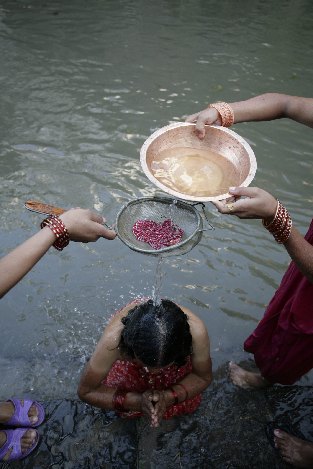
(151, 407)
(107, 234)
(220, 205)
(96, 217)
(227, 208)
(244, 191)
(200, 128)
(154, 423)
(192, 118)
(156, 396)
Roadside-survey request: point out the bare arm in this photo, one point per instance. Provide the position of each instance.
(82, 225)
(264, 107)
(258, 203)
(272, 106)
(91, 389)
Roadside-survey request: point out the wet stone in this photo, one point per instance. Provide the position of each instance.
(227, 431)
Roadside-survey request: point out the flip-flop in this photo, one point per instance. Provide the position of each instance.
(20, 417)
(13, 442)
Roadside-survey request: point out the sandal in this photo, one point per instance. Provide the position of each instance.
(20, 417)
(13, 442)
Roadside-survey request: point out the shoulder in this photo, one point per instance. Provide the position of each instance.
(108, 344)
(198, 329)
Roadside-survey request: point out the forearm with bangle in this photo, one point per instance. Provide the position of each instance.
(178, 393)
(57, 226)
(225, 112)
(124, 400)
(280, 226)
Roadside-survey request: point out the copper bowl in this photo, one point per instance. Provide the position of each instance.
(179, 163)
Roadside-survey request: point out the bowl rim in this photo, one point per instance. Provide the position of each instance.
(179, 195)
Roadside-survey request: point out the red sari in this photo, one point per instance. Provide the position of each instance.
(282, 343)
(128, 376)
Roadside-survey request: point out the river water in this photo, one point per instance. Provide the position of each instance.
(83, 84)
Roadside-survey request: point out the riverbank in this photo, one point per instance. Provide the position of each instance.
(227, 431)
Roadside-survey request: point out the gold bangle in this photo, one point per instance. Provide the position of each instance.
(225, 111)
(267, 225)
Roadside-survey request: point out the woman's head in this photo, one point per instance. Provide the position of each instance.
(157, 335)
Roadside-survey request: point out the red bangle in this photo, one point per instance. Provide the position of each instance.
(118, 400)
(280, 226)
(175, 395)
(59, 229)
(184, 388)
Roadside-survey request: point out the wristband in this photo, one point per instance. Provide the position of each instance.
(175, 396)
(59, 229)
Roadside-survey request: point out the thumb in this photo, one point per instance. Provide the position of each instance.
(243, 191)
(105, 233)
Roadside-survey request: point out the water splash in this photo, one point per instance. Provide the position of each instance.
(173, 210)
(158, 282)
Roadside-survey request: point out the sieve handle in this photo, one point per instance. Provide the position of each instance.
(45, 209)
(205, 215)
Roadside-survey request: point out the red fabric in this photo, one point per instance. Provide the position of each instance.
(129, 376)
(282, 343)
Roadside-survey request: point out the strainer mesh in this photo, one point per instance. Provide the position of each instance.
(159, 209)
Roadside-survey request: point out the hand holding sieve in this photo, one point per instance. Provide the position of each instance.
(158, 209)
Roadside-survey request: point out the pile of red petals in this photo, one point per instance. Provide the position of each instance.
(157, 235)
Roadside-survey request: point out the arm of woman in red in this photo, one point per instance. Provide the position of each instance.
(257, 203)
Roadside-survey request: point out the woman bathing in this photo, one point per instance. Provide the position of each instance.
(151, 360)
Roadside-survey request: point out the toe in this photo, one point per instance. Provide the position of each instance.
(28, 439)
(33, 414)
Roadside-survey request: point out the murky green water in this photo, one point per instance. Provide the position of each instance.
(83, 84)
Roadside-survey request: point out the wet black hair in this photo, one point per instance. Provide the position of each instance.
(156, 334)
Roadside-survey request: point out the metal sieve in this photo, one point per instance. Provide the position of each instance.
(158, 209)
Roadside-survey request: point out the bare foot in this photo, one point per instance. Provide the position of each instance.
(293, 450)
(246, 379)
(27, 440)
(7, 410)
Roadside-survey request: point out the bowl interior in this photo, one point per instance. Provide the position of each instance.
(179, 163)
